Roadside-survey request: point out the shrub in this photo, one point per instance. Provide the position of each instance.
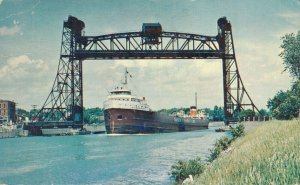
(182, 169)
(224, 142)
(237, 131)
(220, 145)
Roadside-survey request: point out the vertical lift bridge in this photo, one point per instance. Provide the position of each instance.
(65, 101)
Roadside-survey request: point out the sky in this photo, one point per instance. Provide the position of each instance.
(30, 39)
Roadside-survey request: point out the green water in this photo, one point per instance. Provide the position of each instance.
(100, 159)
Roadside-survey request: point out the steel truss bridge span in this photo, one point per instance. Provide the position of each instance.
(65, 101)
(130, 46)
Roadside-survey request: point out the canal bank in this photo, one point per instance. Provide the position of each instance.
(268, 154)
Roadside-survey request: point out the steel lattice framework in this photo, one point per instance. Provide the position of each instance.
(233, 87)
(130, 46)
(65, 101)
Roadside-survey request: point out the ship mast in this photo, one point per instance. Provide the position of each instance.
(126, 78)
(196, 99)
(126, 72)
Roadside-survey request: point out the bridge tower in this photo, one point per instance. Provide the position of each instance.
(233, 87)
(65, 101)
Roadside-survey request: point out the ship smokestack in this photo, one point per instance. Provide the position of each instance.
(193, 111)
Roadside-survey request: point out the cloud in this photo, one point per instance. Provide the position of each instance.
(16, 22)
(291, 17)
(261, 69)
(292, 23)
(22, 67)
(9, 31)
(26, 81)
(1, 1)
(164, 83)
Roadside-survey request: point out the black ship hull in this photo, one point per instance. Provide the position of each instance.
(130, 121)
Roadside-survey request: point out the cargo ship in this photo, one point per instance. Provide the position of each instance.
(125, 113)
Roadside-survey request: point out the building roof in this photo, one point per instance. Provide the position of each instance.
(1, 100)
(151, 24)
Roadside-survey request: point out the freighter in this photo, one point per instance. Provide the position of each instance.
(125, 113)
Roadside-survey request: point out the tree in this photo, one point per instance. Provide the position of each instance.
(247, 113)
(296, 88)
(263, 112)
(169, 111)
(291, 54)
(22, 112)
(218, 113)
(91, 115)
(285, 105)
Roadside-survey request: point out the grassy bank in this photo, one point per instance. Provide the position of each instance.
(269, 154)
